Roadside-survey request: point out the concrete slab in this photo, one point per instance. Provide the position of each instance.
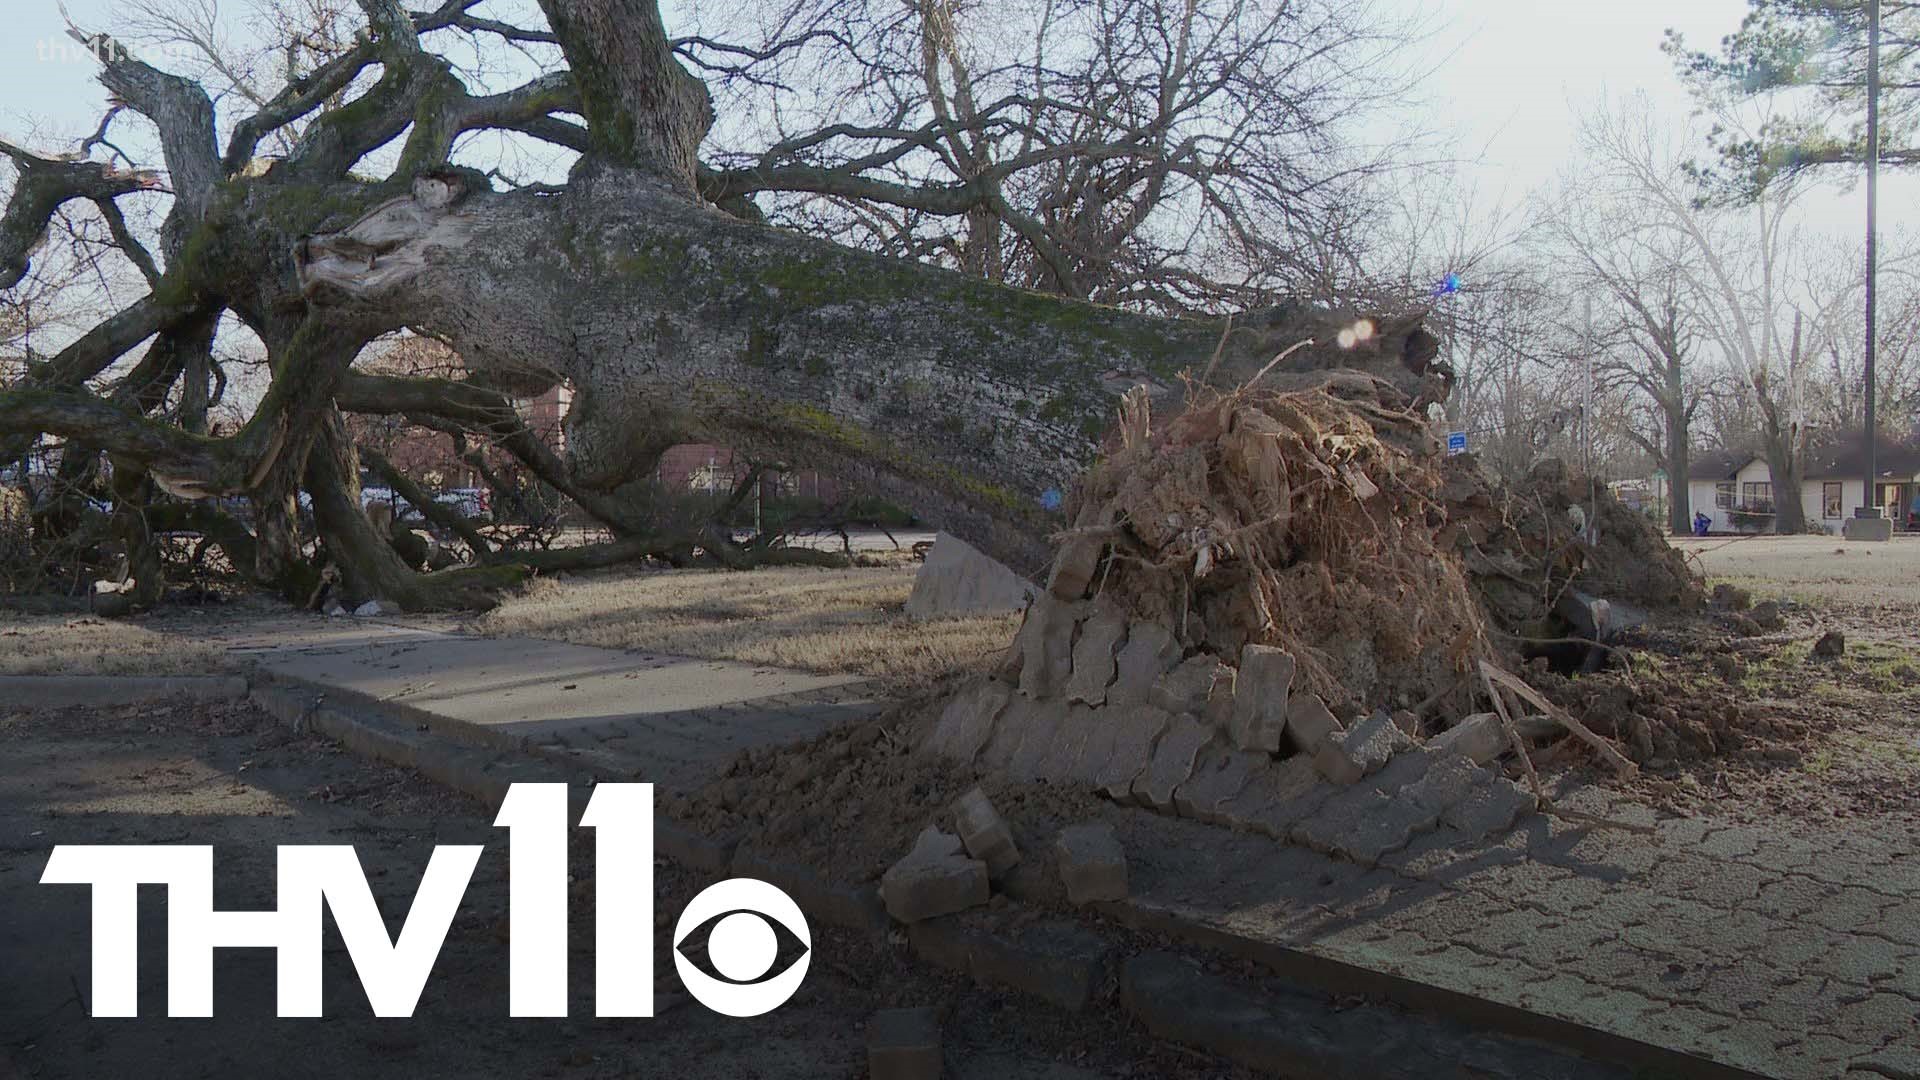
(524, 687)
(668, 719)
(1878, 530)
(957, 579)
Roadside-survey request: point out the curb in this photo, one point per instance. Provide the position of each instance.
(417, 719)
(374, 732)
(1065, 963)
(1285, 1031)
(847, 906)
(1058, 960)
(61, 691)
(1337, 977)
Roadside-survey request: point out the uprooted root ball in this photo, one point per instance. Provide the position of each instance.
(1324, 520)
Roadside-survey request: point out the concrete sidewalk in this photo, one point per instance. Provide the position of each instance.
(671, 720)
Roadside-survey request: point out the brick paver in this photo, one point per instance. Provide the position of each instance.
(1785, 952)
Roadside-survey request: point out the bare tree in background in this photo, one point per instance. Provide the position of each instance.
(1834, 405)
(1633, 273)
(1171, 155)
(1726, 290)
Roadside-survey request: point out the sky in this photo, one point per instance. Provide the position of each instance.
(1507, 76)
(1512, 75)
(1510, 72)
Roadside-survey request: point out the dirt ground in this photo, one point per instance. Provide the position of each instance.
(1817, 737)
(224, 775)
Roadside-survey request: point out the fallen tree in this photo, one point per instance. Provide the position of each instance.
(669, 318)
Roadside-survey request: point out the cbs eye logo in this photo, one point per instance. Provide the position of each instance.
(743, 920)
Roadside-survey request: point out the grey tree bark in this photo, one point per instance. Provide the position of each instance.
(1782, 437)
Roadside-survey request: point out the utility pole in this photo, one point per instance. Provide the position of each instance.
(1870, 507)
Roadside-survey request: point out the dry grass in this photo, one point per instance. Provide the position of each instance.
(42, 643)
(830, 621)
(1812, 569)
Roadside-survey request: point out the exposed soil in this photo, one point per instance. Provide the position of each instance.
(851, 802)
(1757, 723)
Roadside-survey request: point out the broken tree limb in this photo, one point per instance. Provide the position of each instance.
(437, 512)
(1533, 697)
(1513, 734)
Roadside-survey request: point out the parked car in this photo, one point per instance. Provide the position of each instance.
(471, 503)
(402, 509)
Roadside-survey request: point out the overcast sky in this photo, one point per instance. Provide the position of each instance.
(1508, 75)
(1514, 73)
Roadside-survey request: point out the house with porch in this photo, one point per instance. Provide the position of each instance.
(1735, 490)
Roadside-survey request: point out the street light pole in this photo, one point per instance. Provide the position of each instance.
(1870, 507)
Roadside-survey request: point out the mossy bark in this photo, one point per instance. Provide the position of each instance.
(973, 402)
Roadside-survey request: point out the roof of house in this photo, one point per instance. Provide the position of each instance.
(1717, 464)
(1846, 460)
(1838, 460)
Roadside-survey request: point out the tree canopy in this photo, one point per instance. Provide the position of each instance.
(1808, 60)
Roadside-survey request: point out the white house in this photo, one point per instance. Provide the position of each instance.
(1735, 490)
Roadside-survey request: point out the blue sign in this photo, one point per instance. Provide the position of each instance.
(1456, 442)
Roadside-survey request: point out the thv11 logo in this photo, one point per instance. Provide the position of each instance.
(742, 945)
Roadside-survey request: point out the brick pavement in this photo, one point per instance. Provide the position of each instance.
(1783, 951)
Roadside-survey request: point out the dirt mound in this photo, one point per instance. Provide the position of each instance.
(1554, 531)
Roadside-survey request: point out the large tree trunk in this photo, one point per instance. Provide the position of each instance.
(1783, 466)
(1679, 505)
(132, 491)
(368, 565)
(1782, 436)
(967, 400)
(1679, 455)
